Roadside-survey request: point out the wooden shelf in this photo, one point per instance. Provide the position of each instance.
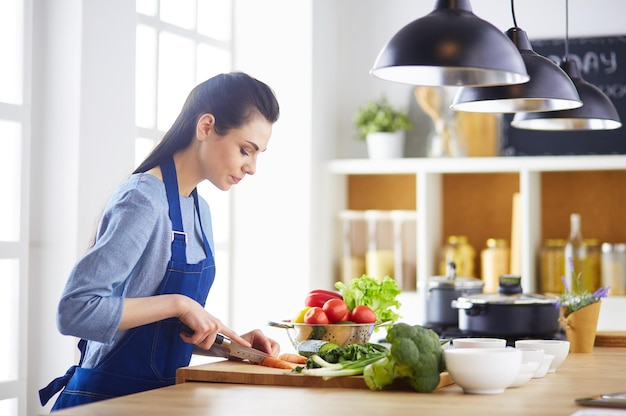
(474, 197)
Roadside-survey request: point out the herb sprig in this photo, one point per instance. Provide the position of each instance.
(574, 299)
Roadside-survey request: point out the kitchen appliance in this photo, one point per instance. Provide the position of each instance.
(442, 290)
(508, 313)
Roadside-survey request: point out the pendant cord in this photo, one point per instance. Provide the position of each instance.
(566, 29)
(513, 14)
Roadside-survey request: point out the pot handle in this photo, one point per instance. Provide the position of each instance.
(461, 304)
(280, 325)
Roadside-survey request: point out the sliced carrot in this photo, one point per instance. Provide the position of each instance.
(293, 358)
(277, 363)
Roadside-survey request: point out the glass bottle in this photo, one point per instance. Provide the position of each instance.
(575, 254)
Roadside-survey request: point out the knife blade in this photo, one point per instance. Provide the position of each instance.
(229, 348)
(239, 351)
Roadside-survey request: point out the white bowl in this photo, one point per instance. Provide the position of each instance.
(558, 348)
(483, 370)
(544, 366)
(526, 372)
(532, 354)
(479, 343)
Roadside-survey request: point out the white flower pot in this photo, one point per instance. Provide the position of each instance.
(386, 145)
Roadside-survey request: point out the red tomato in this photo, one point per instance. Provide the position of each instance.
(318, 297)
(336, 310)
(316, 315)
(362, 314)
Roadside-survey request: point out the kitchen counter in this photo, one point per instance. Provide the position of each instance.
(580, 375)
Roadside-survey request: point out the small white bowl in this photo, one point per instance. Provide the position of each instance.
(544, 366)
(526, 372)
(532, 354)
(479, 343)
(558, 348)
(483, 370)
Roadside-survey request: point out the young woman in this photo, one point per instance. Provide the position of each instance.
(151, 266)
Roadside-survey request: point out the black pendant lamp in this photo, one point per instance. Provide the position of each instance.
(450, 46)
(548, 89)
(596, 113)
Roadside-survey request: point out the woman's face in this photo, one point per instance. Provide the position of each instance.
(226, 160)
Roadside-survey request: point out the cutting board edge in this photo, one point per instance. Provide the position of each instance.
(237, 374)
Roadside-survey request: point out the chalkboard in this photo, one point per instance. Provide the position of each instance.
(602, 62)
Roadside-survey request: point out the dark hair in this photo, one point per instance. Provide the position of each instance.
(233, 98)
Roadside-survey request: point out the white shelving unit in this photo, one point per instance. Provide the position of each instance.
(429, 173)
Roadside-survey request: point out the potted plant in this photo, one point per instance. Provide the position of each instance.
(383, 127)
(579, 312)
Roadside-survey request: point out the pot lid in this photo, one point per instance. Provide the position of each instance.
(501, 299)
(457, 282)
(452, 281)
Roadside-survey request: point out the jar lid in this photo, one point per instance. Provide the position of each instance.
(496, 242)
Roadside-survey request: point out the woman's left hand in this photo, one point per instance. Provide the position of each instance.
(261, 342)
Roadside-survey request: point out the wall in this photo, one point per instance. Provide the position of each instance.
(82, 147)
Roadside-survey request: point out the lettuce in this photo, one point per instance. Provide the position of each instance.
(380, 295)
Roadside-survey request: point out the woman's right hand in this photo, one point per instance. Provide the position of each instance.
(204, 326)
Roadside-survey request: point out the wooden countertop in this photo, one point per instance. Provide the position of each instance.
(580, 375)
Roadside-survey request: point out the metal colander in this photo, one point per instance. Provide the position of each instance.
(341, 334)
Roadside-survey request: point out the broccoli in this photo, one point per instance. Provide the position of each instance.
(416, 357)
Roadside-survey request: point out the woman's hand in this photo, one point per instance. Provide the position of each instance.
(261, 342)
(205, 327)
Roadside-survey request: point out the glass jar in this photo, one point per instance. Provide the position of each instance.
(379, 257)
(591, 279)
(552, 265)
(459, 251)
(405, 248)
(353, 244)
(614, 268)
(494, 260)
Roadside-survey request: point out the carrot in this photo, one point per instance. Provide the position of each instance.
(293, 358)
(276, 363)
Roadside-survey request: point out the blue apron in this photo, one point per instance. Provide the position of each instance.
(147, 356)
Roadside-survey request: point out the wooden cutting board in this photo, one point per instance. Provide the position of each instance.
(240, 372)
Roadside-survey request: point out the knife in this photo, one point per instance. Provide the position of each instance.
(239, 351)
(228, 348)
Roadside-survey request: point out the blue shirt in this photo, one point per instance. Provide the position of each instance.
(128, 259)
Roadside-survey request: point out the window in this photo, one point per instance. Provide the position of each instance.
(14, 114)
(180, 44)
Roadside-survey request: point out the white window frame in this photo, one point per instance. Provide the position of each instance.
(219, 305)
(20, 113)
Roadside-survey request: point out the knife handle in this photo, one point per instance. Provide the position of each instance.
(186, 330)
(219, 338)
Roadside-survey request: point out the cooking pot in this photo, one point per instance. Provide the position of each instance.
(508, 313)
(442, 290)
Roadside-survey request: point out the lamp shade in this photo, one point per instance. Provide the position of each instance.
(450, 46)
(596, 113)
(548, 89)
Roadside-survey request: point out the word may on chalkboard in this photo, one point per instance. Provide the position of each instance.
(602, 62)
